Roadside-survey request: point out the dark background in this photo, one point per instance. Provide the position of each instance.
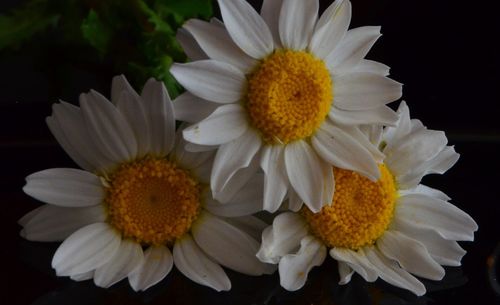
(445, 52)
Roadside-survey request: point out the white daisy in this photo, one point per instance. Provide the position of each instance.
(286, 91)
(391, 228)
(142, 202)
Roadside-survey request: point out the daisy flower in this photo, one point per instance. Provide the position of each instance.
(393, 228)
(142, 203)
(286, 91)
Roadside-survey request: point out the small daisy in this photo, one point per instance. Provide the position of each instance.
(142, 203)
(391, 228)
(286, 91)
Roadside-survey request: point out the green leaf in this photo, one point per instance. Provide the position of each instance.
(21, 24)
(155, 19)
(96, 32)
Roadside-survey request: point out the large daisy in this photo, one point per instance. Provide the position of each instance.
(142, 203)
(286, 91)
(393, 228)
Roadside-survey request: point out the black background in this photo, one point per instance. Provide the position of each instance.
(446, 53)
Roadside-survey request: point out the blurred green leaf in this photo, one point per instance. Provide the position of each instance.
(95, 32)
(21, 24)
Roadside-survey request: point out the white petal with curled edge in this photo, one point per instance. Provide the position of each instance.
(445, 252)
(331, 28)
(111, 130)
(363, 91)
(305, 174)
(54, 223)
(192, 109)
(86, 249)
(239, 180)
(356, 261)
(233, 156)
(128, 257)
(352, 49)
(215, 236)
(67, 187)
(160, 113)
(340, 149)
(441, 216)
(282, 237)
(296, 23)
(225, 124)
(272, 163)
(345, 273)
(197, 266)
(247, 29)
(189, 45)
(294, 268)
(390, 272)
(212, 80)
(157, 263)
(410, 254)
(218, 45)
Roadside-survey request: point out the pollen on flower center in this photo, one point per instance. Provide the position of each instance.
(289, 96)
(152, 201)
(360, 212)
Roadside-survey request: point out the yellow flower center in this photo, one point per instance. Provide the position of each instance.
(360, 213)
(152, 201)
(289, 96)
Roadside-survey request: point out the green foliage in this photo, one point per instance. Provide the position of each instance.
(133, 37)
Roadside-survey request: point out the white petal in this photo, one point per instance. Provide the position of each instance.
(272, 163)
(218, 45)
(132, 108)
(68, 146)
(345, 273)
(53, 223)
(247, 29)
(342, 150)
(108, 126)
(362, 91)
(238, 181)
(382, 115)
(191, 147)
(296, 24)
(445, 252)
(425, 190)
(225, 124)
(390, 272)
(282, 238)
(362, 139)
(160, 113)
(82, 276)
(353, 48)
(86, 249)
(246, 201)
(128, 257)
(192, 109)
(211, 80)
(251, 225)
(215, 236)
(441, 216)
(357, 261)
(194, 264)
(68, 124)
(306, 175)
(157, 263)
(403, 127)
(189, 45)
(294, 201)
(187, 159)
(118, 85)
(410, 254)
(331, 28)
(233, 156)
(366, 65)
(294, 268)
(67, 187)
(270, 12)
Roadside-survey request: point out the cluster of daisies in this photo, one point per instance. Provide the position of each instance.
(283, 117)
